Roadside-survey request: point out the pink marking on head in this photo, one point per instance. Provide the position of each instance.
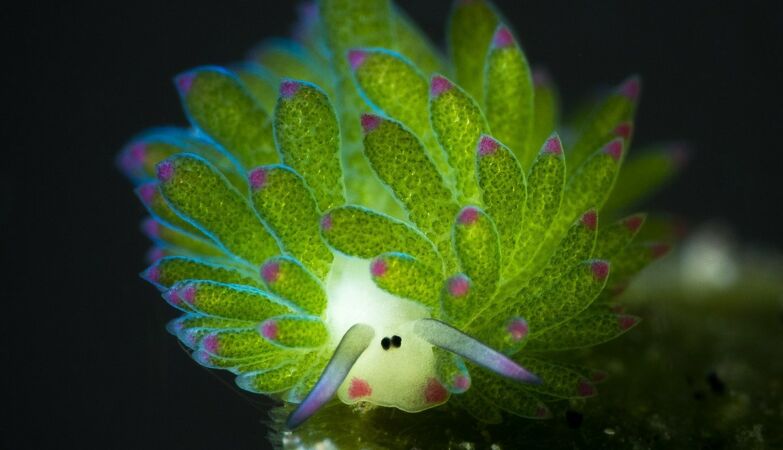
(468, 216)
(631, 88)
(289, 88)
(147, 192)
(434, 392)
(188, 293)
(356, 58)
(151, 228)
(269, 329)
(370, 122)
(210, 343)
(359, 388)
(598, 376)
(458, 286)
(439, 85)
(634, 222)
(625, 322)
(503, 38)
(185, 82)
(600, 269)
(543, 412)
(659, 249)
(165, 170)
(553, 146)
(614, 149)
(624, 130)
(585, 388)
(378, 267)
(270, 271)
(487, 146)
(326, 222)
(154, 254)
(541, 77)
(461, 382)
(152, 274)
(518, 329)
(257, 178)
(590, 220)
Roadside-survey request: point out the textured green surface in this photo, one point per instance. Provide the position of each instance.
(295, 331)
(287, 278)
(166, 236)
(229, 300)
(404, 276)
(198, 191)
(547, 113)
(469, 35)
(170, 270)
(151, 198)
(452, 371)
(414, 44)
(284, 202)
(478, 250)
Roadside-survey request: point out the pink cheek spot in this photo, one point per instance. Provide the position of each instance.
(659, 250)
(633, 223)
(326, 222)
(585, 389)
(359, 388)
(356, 58)
(590, 220)
(468, 216)
(289, 88)
(439, 85)
(624, 130)
(461, 382)
(165, 170)
(147, 193)
(458, 286)
(626, 322)
(257, 178)
(269, 330)
(487, 146)
(434, 392)
(211, 343)
(631, 88)
(503, 38)
(270, 271)
(600, 270)
(378, 268)
(553, 146)
(370, 122)
(185, 82)
(614, 149)
(518, 329)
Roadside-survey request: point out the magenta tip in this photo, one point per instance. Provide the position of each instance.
(326, 222)
(487, 146)
(356, 58)
(165, 170)
(518, 329)
(503, 38)
(590, 220)
(151, 228)
(624, 130)
(185, 82)
(634, 222)
(439, 85)
(553, 146)
(152, 274)
(461, 382)
(270, 271)
(257, 178)
(269, 329)
(378, 267)
(660, 249)
(600, 269)
(370, 122)
(625, 322)
(210, 343)
(631, 88)
(468, 216)
(147, 192)
(614, 149)
(289, 88)
(458, 286)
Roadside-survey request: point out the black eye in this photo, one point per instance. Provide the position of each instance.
(385, 343)
(396, 341)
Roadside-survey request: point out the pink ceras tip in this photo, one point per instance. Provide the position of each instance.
(151, 228)
(590, 220)
(553, 146)
(518, 329)
(503, 38)
(269, 329)
(356, 58)
(257, 178)
(270, 272)
(631, 88)
(152, 274)
(147, 192)
(458, 286)
(487, 146)
(626, 322)
(600, 269)
(211, 343)
(188, 293)
(624, 130)
(165, 170)
(633, 223)
(439, 85)
(614, 149)
(185, 82)
(468, 216)
(370, 122)
(289, 88)
(462, 382)
(326, 222)
(378, 268)
(134, 156)
(659, 250)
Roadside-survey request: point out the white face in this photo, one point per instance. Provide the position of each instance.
(402, 377)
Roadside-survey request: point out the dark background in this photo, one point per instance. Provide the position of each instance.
(86, 359)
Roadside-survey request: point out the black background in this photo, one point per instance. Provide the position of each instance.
(86, 360)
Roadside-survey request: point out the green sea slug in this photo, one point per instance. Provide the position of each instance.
(352, 214)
